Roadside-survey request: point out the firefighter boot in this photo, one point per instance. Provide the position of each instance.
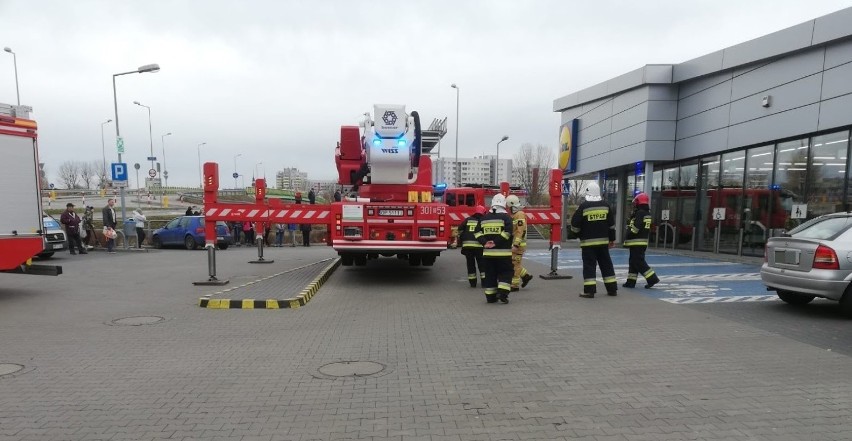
(525, 279)
(491, 298)
(503, 296)
(472, 279)
(651, 280)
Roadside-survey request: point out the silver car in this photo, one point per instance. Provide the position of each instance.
(812, 260)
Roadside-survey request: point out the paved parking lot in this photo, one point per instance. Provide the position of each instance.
(435, 361)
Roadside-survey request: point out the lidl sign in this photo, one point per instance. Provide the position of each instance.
(568, 146)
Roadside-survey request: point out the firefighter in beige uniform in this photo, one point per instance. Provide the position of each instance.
(520, 277)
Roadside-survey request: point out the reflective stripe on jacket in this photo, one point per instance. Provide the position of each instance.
(594, 224)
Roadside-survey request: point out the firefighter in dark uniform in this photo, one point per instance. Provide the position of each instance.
(637, 242)
(594, 224)
(470, 247)
(495, 236)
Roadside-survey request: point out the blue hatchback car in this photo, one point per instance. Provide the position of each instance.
(188, 231)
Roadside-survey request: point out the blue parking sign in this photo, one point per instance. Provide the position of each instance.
(119, 171)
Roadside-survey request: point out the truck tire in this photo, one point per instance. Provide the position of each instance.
(414, 259)
(429, 260)
(360, 259)
(346, 259)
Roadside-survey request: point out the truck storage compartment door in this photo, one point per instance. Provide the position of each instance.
(19, 188)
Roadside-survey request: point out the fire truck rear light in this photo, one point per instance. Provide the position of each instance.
(370, 212)
(375, 234)
(410, 212)
(427, 232)
(404, 235)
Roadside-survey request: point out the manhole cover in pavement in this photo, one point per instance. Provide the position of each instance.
(137, 321)
(351, 369)
(9, 368)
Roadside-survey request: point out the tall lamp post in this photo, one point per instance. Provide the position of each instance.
(235, 169)
(457, 173)
(497, 162)
(103, 152)
(200, 178)
(142, 69)
(15, 60)
(165, 170)
(150, 136)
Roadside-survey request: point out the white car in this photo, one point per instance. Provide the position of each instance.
(54, 238)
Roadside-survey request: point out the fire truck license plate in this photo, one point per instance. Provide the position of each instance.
(390, 212)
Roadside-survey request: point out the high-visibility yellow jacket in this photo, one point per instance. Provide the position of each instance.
(519, 229)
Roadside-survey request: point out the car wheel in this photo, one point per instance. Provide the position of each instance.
(224, 246)
(46, 255)
(793, 298)
(846, 302)
(189, 243)
(157, 242)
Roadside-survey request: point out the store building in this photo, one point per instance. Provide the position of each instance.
(733, 147)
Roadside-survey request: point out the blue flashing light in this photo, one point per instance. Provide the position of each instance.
(377, 142)
(401, 143)
(441, 186)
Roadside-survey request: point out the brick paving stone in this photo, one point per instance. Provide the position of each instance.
(546, 366)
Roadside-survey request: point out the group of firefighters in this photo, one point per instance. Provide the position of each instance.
(494, 241)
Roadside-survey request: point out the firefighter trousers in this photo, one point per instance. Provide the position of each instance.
(638, 265)
(518, 267)
(598, 256)
(498, 275)
(475, 267)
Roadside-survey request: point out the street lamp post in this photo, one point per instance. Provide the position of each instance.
(15, 60)
(103, 152)
(200, 178)
(235, 169)
(457, 172)
(142, 69)
(150, 136)
(165, 170)
(497, 162)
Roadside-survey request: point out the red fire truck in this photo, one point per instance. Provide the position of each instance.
(390, 210)
(21, 226)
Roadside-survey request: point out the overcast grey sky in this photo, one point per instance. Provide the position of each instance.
(274, 81)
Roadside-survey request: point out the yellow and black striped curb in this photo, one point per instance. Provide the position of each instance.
(300, 300)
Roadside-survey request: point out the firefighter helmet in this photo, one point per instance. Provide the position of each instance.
(480, 210)
(513, 203)
(498, 201)
(592, 192)
(641, 199)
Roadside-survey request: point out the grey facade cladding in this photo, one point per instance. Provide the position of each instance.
(714, 103)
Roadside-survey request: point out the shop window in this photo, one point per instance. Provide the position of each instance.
(827, 174)
(791, 160)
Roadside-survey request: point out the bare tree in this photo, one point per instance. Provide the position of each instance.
(88, 172)
(533, 165)
(69, 173)
(575, 187)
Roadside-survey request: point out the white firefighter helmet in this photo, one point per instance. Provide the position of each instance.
(498, 201)
(592, 192)
(513, 204)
